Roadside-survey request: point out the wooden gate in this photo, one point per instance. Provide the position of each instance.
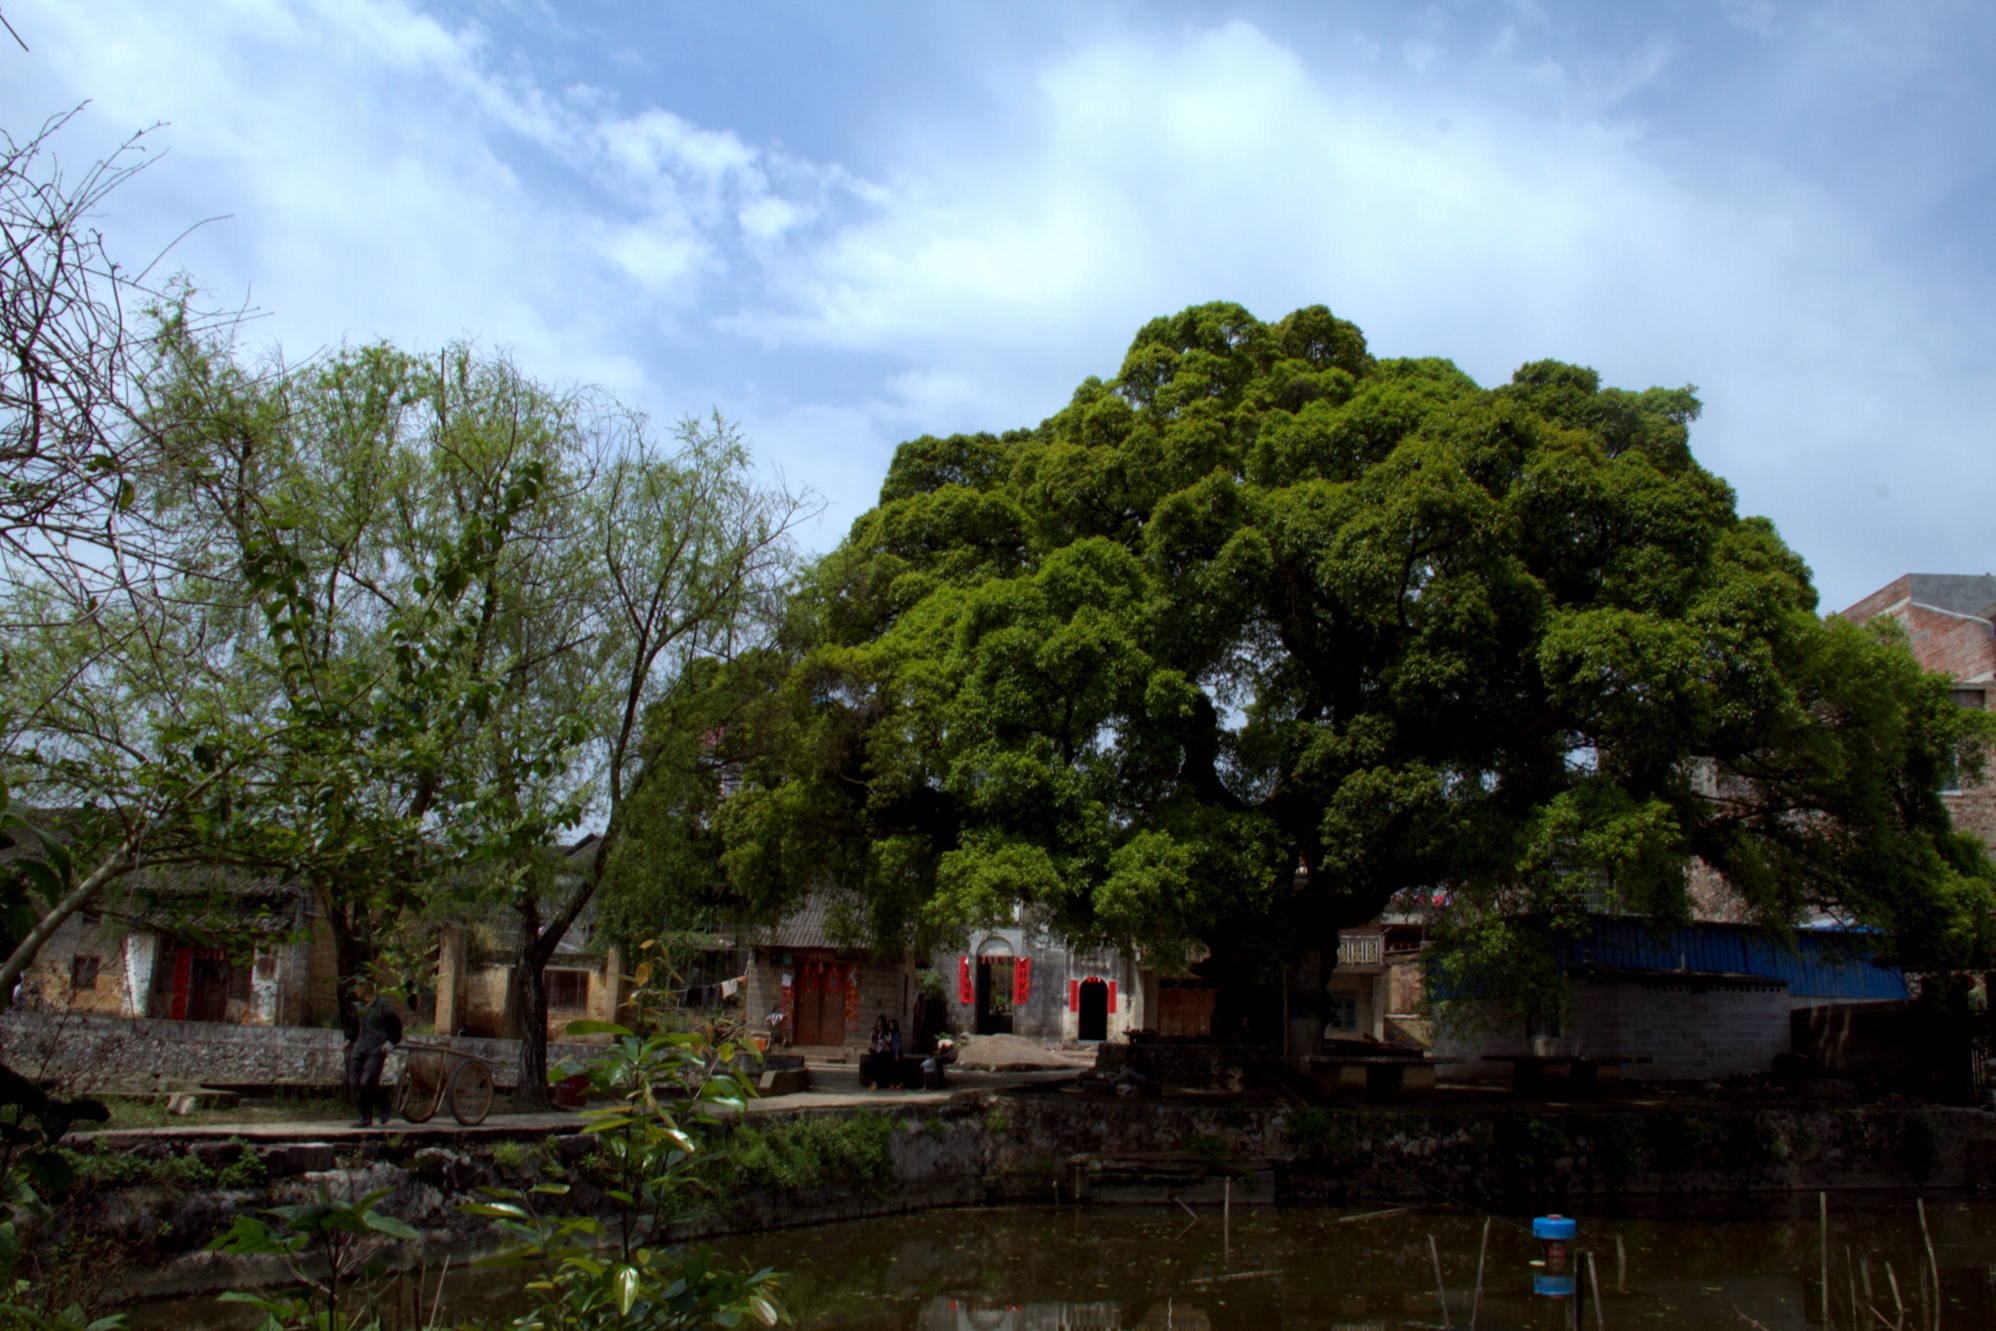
(821, 1003)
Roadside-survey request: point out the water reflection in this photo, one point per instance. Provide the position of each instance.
(1312, 1269)
(1319, 1269)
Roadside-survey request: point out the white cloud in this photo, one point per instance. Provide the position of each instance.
(391, 175)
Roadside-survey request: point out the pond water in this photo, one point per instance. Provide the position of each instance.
(1346, 1269)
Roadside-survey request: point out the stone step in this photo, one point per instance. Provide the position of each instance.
(182, 1103)
(783, 1081)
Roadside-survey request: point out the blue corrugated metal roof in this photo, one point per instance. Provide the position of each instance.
(1816, 963)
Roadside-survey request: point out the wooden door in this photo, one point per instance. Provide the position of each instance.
(201, 977)
(821, 1003)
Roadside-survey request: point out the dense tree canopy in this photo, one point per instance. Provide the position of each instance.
(1264, 631)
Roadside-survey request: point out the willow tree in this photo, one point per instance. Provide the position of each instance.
(1263, 632)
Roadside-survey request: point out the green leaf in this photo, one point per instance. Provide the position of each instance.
(389, 1225)
(597, 1028)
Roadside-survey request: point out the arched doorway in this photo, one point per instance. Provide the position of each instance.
(1094, 1005)
(994, 987)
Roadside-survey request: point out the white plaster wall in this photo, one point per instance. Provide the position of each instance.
(141, 955)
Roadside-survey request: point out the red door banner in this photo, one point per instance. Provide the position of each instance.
(1074, 995)
(1022, 973)
(1112, 995)
(966, 988)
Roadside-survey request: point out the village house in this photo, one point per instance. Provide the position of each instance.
(811, 984)
(191, 943)
(1020, 980)
(1698, 1003)
(1950, 623)
(475, 994)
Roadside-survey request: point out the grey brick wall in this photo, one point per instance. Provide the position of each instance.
(1690, 1028)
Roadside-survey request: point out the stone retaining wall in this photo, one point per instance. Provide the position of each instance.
(112, 1055)
(1039, 1148)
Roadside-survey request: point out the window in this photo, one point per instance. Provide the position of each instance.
(568, 991)
(1343, 1014)
(82, 974)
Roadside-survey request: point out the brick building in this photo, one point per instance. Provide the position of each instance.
(815, 975)
(1702, 1002)
(1950, 623)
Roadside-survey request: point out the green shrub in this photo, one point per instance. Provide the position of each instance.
(116, 1170)
(509, 1154)
(812, 1152)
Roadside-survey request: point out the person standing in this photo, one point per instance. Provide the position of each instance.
(876, 1046)
(375, 1026)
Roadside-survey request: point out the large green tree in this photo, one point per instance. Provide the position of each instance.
(1265, 631)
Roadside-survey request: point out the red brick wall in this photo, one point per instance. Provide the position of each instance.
(1891, 594)
(1960, 645)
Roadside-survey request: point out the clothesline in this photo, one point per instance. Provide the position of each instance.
(706, 995)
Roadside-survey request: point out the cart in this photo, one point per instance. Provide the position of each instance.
(433, 1071)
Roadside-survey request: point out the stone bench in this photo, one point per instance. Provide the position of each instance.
(1374, 1076)
(1563, 1076)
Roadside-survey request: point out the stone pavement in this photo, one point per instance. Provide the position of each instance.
(843, 1092)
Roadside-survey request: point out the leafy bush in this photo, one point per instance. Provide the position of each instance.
(812, 1152)
(111, 1169)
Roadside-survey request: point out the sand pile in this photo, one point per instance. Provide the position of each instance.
(1012, 1053)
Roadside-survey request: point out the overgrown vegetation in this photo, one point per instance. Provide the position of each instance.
(811, 1152)
(114, 1169)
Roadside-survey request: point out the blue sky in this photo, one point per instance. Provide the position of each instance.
(848, 225)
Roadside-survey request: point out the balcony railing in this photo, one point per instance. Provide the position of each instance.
(1361, 950)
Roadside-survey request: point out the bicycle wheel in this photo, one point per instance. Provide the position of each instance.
(420, 1091)
(470, 1094)
(414, 1101)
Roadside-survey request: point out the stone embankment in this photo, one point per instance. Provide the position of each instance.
(87, 1055)
(159, 1199)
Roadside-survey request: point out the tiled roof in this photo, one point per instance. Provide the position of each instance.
(1962, 593)
(823, 920)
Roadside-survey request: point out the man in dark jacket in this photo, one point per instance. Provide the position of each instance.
(373, 1028)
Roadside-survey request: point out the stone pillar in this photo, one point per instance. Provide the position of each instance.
(450, 980)
(615, 988)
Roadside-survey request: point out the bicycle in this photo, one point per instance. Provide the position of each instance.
(433, 1071)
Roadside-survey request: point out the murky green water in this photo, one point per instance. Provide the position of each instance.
(1317, 1269)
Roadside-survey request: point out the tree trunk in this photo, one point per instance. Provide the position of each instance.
(530, 1000)
(1303, 1026)
(353, 949)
